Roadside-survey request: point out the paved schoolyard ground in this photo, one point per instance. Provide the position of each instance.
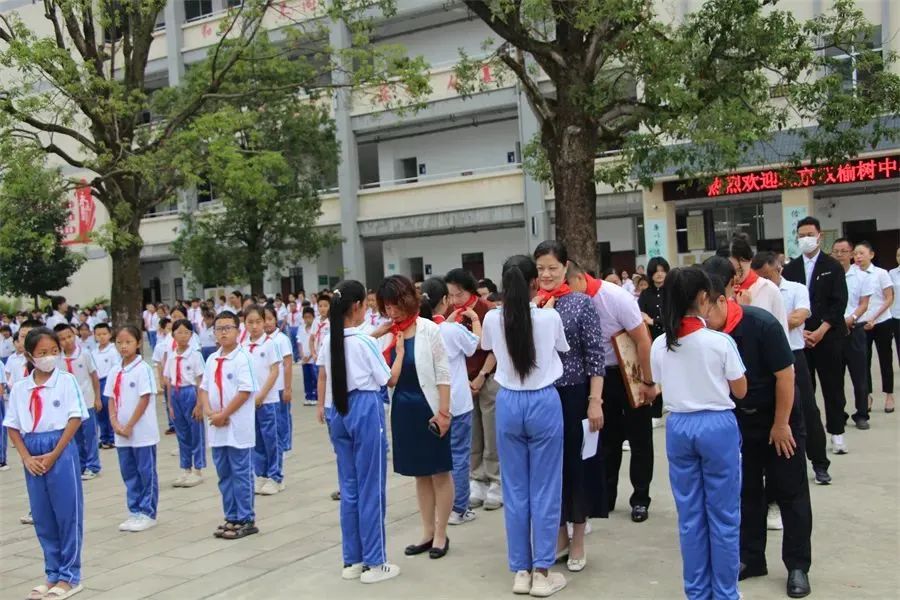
(856, 537)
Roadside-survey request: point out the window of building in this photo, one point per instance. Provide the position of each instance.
(233, 3)
(854, 61)
(160, 21)
(179, 288)
(473, 262)
(197, 9)
(205, 192)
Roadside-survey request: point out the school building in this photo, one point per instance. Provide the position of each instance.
(422, 193)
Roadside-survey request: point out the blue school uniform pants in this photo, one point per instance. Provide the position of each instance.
(360, 444)
(138, 468)
(191, 433)
(267, 455)
(57, 505)
(530, 444)
(206, 352)
(704, 451)
(151, 338)
(235, 470)
(107, 435)
(310, 381)
(87, 437)
(2, 432)
(461, 449)
(294, 347)
(167, 402)
(285, 424)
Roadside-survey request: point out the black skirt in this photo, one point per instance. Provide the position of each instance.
(584, 481)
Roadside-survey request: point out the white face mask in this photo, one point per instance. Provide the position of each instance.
(808, 244)
(45, 363)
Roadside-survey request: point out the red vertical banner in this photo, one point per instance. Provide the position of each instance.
(82, 216)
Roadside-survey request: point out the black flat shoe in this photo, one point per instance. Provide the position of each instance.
(798, 584)
(440, 552)
(639, 514)
(412, 549)
(747, 572)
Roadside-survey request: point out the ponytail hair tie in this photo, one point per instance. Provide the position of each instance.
(425, 296)
(336, 293)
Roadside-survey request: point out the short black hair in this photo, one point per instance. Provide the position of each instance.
(307, 310)
(102, 326)
(721, 272)
(841, 240)
(866, 244)
(164, 321)
(488, 284)
(182, 323)
(462, 278)
(6, 328)
(809, 221)
(62, 327)
(227, 315)
(766, 257)
(56, 301)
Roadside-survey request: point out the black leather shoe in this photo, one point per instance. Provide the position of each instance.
(639, 514)
(440, 552)
(412, 549)
(822, 476)
(862, 424)
(798, 584)
(747, 572)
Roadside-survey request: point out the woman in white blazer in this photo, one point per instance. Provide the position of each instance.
(420, 409)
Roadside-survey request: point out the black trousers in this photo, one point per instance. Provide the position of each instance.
(812, 419)
(854, 353)
(880, 335)
(825, 359)
(622, 422)
(786, 483)
(897, 337)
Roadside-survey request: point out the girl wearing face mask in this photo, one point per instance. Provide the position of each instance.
(45, 410)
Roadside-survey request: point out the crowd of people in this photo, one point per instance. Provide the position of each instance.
(510, 398)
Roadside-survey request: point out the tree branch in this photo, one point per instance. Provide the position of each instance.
(11, 110)
(537, 99)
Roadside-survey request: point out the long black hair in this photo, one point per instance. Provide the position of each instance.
(433, 291)
(680, 292)
(345, 296)
(519, 272)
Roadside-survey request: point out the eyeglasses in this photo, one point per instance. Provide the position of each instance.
(223, 328)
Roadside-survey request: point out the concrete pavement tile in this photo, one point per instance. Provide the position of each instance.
(214, 581)
(125, 574)
(137, 588)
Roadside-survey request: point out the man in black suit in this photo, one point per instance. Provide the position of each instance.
(825, 329)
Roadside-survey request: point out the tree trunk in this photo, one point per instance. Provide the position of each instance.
(256, 282)
(37, 302)
(127, 295)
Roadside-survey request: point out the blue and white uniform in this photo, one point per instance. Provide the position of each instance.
(285, 421)
(530, 439)
(207, 341)
(293, 318)
(360, 444)
(105, 359)
(309, 367)
(267, 457)
(182, 373)
(4, 392)
(232, 445)
(81, 365)
(125, 386)
(40, 413)
(703, 444)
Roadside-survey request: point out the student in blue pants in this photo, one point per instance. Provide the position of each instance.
(4, 394)
(526, 342)
(703, 443)
(45, 410)
(284, 382)
(349, 386)
(105, 358)
(182, 372)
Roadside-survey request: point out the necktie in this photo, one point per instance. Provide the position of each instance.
(253, 346)
(117, 387)
(178, 371)
(219, 367)
(69, 364)
(36, 407)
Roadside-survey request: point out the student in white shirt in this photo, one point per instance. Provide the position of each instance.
(86, 339)
(60, 308)
(459, 343)
(45, 411)
(703, 443)
(160, 351)
(105, 358)
(879, 325)
(16, 367)
(7, 346)
(320, 328)
(225, 392)
(293, 320)
(150, 324)
(80, 363)
(131, 389)
(350, 381)
(207, 336)
(182, 373)
(4, 395)
(284, 383)
(526, 342)
(307, 361)
(265, 359)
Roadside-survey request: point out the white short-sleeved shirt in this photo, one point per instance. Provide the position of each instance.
(207, 337)
(163, 344)
(264, 353)
(154, 322)
(16, 369)
(320, 329)
(766, 295)
(60, 400)
(148, 320)
(460, 343)
(618, 311)
(191, 367)
(282, 348)
(55, 319)
(795, 295)
(303, 340)
(549, 340)
(237, 376)
(7, 347)
(895, 281)
(711, 358)
(859, 285)
(105, 359)
(366, 367)
(137, 380)
(373, 320)
(293, 319)
(281, 313)
(82, 366)
(102, 316)
(879, 281)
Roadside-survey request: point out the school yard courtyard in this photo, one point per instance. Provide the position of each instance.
(856, 536)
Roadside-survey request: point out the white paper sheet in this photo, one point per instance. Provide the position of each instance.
(589, 441)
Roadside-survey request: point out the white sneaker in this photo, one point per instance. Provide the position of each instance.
(128, 524)
(460, 518)
(379, 573)
(192, 480)
(522, 582)
(286, 455)
(142, 523)
(773, 518)
(269, 488)
(352, 571)
(281, 485)
(543, 586)
(837, 444)
(477, 493)
(181, 479)
(626, 447)
(88, 475)
(494, 498)
(258, 484)
(173, 452)
(26, 520)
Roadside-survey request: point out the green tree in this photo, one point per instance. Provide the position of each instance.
(33, 214)
(695, 96)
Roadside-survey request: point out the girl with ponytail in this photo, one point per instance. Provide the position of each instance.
(526, 342)
(703, 442)
(353, 373)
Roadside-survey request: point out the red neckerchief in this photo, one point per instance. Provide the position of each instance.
(36, 407)
(178, 371)
(464, 307)
(733, 316)
(320, 327)
(543, 296)
(689, 325)
(439, 319)
(117, 388)
(173, 343)
(751, 278)
(396, 328)
(253, 345)
(69, 360)
(218, 377)
(293, 315)
(593, 285)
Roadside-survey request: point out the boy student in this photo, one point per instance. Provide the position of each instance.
(60, 309)
(163, 345)
(3, 402)
(321, 328)
(182, 372)
(86, 339)
(207, 335)
(105, 358)
(310, 371)
(284, 383)
(7, 346)
(79, 363)
(293, 321)
(225, 392)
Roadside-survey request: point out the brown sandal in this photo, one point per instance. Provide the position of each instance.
(240, 530)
